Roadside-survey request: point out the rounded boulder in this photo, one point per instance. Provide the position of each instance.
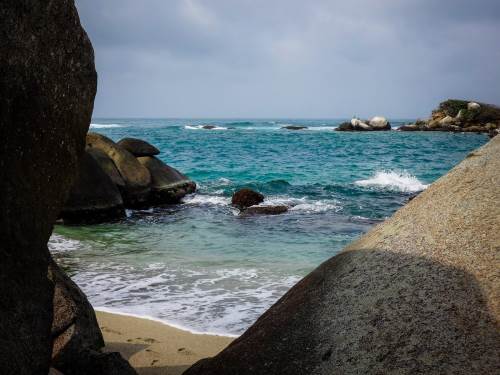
(245, 198)
(138, 147)
(168, 185)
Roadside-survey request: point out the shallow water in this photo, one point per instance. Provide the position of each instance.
(199, 265)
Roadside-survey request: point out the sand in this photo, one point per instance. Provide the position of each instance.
(154, 348)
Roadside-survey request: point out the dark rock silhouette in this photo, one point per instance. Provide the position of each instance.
(94, 197)
(138, 147)
(416, 295)
(107, 165)
(47, 88)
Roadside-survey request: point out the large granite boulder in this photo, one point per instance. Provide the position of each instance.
(138, 147)
(416, 295)
(137, 177)
(94, 198)
(379, 123)
(245, 198)
(168, 185)
(107, 165)
(47, 89)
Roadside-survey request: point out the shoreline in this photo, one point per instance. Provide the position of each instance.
(153, 347)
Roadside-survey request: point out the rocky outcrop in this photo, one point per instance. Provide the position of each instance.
(377, 123)
(459, 116)
(136, 177)
(416, 295)
(168, 185)
(245, 198)
(47, 88)
(138, 147)
(94, 197)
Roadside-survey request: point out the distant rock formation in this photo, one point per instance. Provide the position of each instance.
(416, 295)
(377, 123)
(294, 127)
(459, 116)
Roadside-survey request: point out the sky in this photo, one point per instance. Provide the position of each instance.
(291, 58)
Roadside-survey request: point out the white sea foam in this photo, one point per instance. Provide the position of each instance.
(303, 204)
(58, 243)
(396, 181)
(321, 128)
(104, 126)
(201, 127)
(202, 199)
(222, 301)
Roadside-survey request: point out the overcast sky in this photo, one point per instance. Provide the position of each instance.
(291, 58)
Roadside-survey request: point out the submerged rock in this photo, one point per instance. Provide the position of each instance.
(208, 127)
(168, 185)
(94, 197)
(245, 198)
(137, 178)
(416, 295)
(294, 127)
(138, 147)
(265, 210)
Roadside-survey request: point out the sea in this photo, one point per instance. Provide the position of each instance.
(201, 266)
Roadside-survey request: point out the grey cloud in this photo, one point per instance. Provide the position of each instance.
(291, 58)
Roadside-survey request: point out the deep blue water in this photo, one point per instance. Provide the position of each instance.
(201, 266)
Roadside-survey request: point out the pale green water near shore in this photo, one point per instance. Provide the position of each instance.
(200, 265)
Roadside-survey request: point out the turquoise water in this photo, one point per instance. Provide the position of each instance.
(199, 265)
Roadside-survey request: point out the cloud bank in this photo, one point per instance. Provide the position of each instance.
(291, 58)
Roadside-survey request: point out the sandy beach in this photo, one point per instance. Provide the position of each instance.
(154, 348)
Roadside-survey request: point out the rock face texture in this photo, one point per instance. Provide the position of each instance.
(419, 294)
(138, 147)
(265, 210)
(94, 197)
(47, 88)
(245, 198)
(460, 116)
(107, 165)
(136, 176)
(168, 185)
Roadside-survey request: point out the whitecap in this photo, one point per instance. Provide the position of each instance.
(104, 126)
(396, 181)
(58, 243)
(304, 204)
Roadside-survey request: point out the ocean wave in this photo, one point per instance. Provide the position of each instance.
(240, 123)
(204, 127)
(105, 126)
(303, 204)
(396, 181)
(223, 301)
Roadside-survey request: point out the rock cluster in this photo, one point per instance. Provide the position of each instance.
(377, 123)
(416, 295)
(114, 176)
(460, 116)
